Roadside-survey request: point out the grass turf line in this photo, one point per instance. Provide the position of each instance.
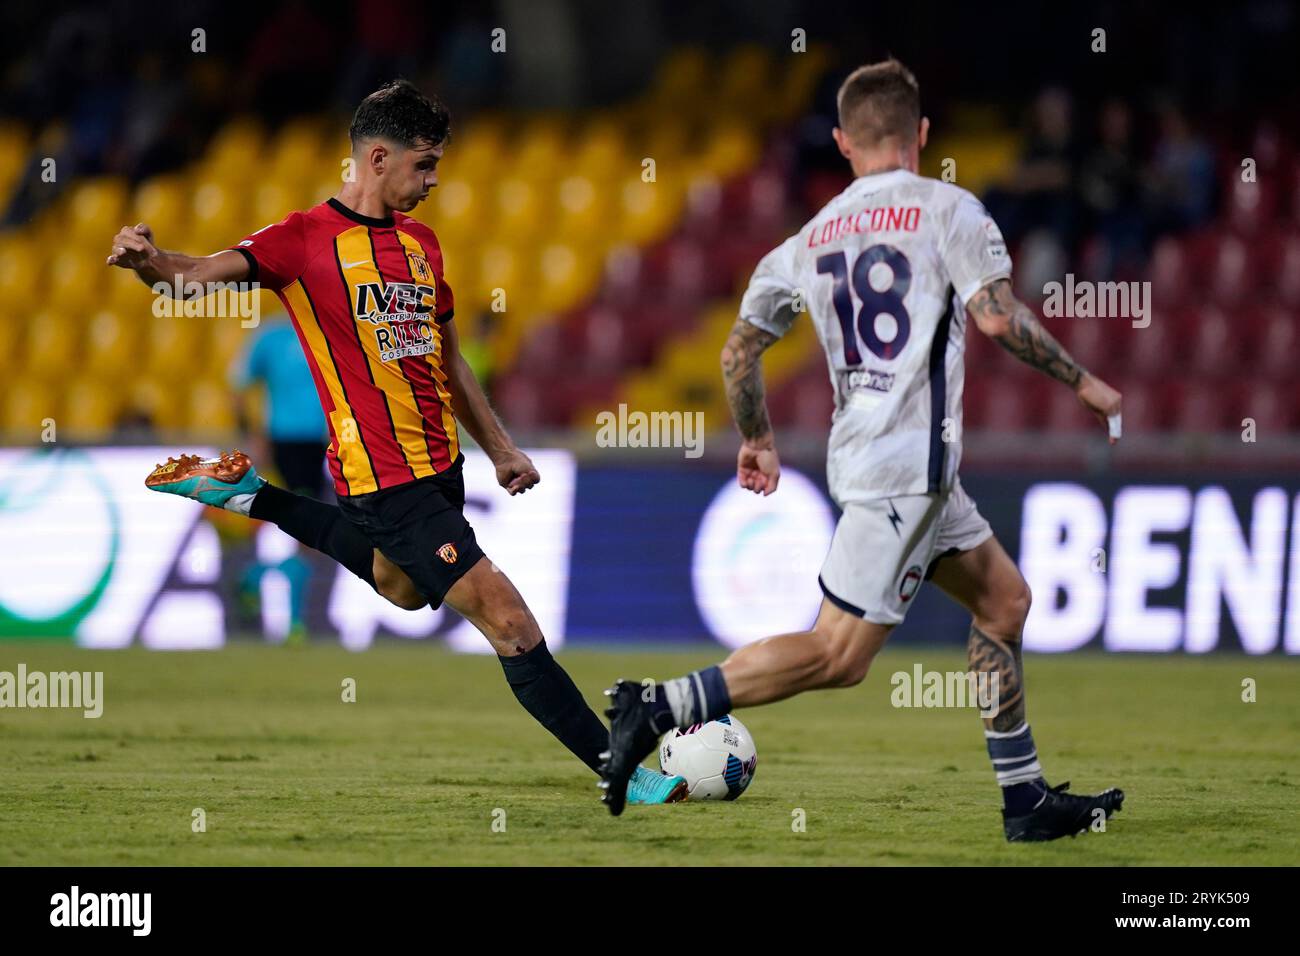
(287, 773)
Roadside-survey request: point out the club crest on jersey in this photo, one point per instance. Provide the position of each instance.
(420, 266)
(911, 581)
(448, 553)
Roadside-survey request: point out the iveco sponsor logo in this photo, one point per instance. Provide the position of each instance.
(379, 302)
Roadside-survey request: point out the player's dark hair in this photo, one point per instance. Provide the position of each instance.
(880, 100)
(399, 112)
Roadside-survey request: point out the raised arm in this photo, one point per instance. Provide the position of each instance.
(133, 248)
(515, 470)
(1009, 322)
(757, 467)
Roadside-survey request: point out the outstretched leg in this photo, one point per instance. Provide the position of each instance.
(986, 582)
(836, 652)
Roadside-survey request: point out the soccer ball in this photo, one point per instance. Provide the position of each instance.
(717, 759)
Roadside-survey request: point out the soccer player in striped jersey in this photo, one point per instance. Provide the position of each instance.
(364, 285)
(887, 270)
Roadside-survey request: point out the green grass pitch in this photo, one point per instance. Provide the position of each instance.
(421, 766)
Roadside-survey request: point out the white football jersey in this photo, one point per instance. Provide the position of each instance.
(884, 271)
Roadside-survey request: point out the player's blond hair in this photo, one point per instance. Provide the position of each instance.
(879, 101)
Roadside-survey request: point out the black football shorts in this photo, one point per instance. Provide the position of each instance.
(420, 526)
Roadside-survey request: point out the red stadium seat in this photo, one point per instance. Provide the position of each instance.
(1203, 405)
(1168, 273)
(1065, 413)
(1250, 207)
(1276, 343)
(1288, 271)
(1233, 279)
(1006, 407)
(1215, 345)
(1143, 405)
(1270, 405)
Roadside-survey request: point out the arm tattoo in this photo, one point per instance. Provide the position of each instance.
(742, 371)
(989, 655)
(1024, 336)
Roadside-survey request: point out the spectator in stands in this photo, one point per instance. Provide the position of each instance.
(1039, 192)
(1110, 190)
(1180, 180)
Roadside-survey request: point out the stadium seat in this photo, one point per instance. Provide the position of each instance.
(1276, 345)
(1005, 408)
(565, 276)
(1270, 405)
(1233, 279)
(163, 204)
(112, 344)
(1203, 406)
(93, 407)
(1168, 273)
(96, 209)
(219, 218)
(1215, 345)
(21, 267)
(53, 345)
(211, 407)
(1065, 414)
(28, 403)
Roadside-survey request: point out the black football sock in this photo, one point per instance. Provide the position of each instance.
(548, 693)
(319, 526)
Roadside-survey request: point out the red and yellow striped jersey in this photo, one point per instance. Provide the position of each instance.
(368, 300)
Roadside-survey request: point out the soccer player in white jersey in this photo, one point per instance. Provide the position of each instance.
(886, 272)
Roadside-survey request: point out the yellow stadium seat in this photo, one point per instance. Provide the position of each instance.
(502, 267)
(602, 155)
(803, 72)
(76, 280)
(732, 148)
(111, 344)
(218, 218)
(170, 346)
(126, 295)
(21, 262)
(235, 153)
(542, 149)
(649, 211)
(584, 207)
(273, 200)
(159, 402)
(744, 82)
(226, 343)
(96, 211)
(53, 345)
(163, 203)
(477, 155)
(522, 209)
(296, 147)
(455, 210)
(211, 407)
(29, 402)
(92, 407)
(566, 276)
